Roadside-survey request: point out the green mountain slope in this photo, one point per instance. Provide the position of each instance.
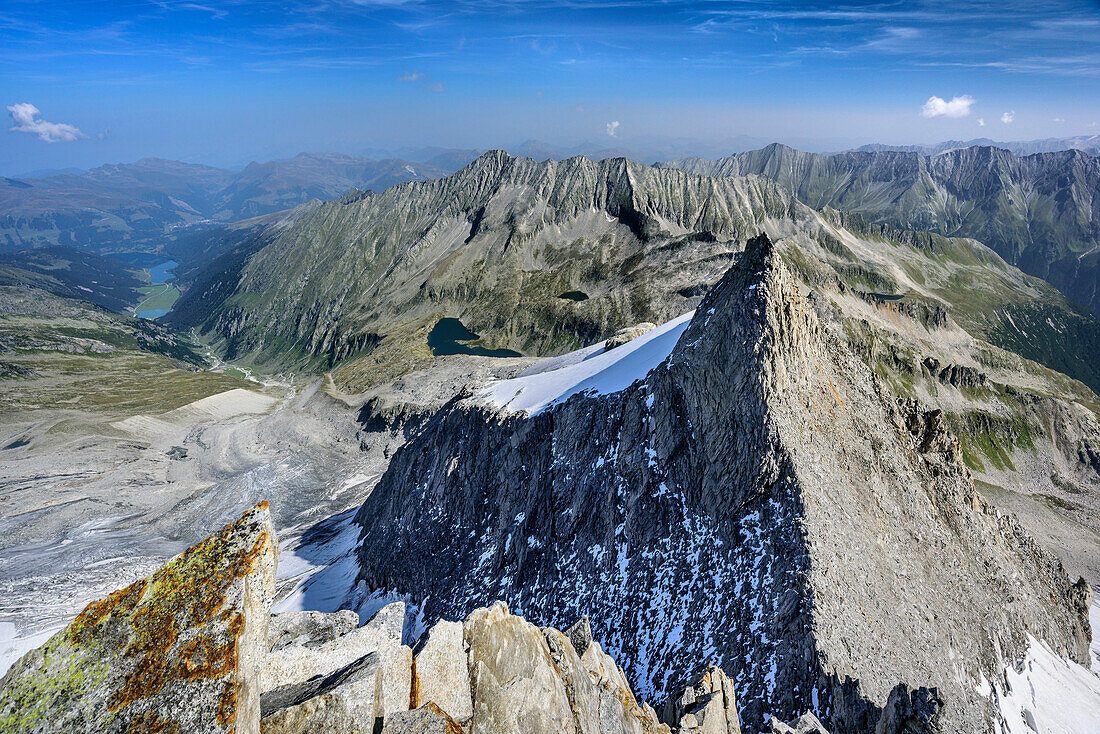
(62, 354)
(505, 244)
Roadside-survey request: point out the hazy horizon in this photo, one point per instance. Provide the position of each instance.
(225, 82)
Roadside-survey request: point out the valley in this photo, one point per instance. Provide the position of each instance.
(432, 361)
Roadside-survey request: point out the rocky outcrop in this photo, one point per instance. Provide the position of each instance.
(309, 629)
(622, 336)
(193, 649)
(807, 723)
(758, 500)
(709, 706)
(179, 651)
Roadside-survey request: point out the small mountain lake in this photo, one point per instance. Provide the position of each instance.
(160, 274)
(447, 335)
(159, 294)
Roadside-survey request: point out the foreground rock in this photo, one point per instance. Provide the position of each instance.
(179, 651)
(756, 499)
(193, 649)
(807, 723)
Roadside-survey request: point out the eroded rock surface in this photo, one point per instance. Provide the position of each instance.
(193, 649)
(179, 651)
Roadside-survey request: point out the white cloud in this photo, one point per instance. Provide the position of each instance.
(410, 76)
(27, 120)
(437, 87)
(1008, 117)
(981, 122)
(938, 107)
(612, 127)
(1059, 119)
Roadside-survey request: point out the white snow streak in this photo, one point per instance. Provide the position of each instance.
(587, 370)
(1049, 695)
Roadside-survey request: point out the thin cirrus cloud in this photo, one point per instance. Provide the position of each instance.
(27, 119)
(416, 76)
(1008, 117)
(955, 107)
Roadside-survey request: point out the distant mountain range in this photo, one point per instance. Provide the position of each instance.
(1087, 143)
(1040, 212)
(540, 257)
(131, 206)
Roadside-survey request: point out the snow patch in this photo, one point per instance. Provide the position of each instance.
(586, 371)
(1049, 695)
(13, 646)
(322, 574)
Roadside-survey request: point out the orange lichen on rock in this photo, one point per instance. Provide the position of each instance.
(188, 593)
(127, 662)
(227, 703)
(122, 602)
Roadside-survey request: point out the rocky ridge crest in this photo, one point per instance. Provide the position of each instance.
(759, 499)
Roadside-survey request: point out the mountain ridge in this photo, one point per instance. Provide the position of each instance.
(1036, 211)
(751, 532)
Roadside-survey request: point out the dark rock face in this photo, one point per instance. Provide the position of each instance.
(757, 501)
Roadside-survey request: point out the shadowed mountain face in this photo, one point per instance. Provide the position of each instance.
(133, 206)
(66, 271)
(1038, 211)
(757, 499)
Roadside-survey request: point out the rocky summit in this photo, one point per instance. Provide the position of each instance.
(193, 648)
(741, 490)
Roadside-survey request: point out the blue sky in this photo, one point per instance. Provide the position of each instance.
(224, 82)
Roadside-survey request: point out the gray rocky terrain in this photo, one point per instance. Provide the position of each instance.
(781, 501)
(194, 648)
(760, 497)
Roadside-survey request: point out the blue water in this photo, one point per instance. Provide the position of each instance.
(160, 273)
(445, 336)
(152, 313)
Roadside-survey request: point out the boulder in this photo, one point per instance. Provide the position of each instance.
(807, 723)
(428, 719)
(516, 688)
(580, 634)
(708, 707)
(179, 651)
(319, 715)
(393, 684)
(309, 629)
(440, 673)
(390, 621)
(298, 663)
(622, 336)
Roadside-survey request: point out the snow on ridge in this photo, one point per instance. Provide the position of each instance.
(1049, 695)
(586, 370)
